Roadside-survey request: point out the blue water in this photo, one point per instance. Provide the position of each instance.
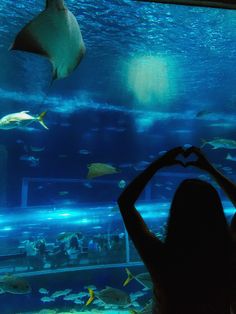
(149, 72)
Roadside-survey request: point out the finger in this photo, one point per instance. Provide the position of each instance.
(179, 162)
(192, 163)
(176, 151)
(193, 149)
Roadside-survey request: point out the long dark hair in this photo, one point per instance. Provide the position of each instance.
(197, 241)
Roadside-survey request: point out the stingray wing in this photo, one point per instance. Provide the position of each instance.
(55, 34)
(29, 38)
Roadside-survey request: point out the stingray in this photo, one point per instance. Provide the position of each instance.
(100, 169)
(54, 34)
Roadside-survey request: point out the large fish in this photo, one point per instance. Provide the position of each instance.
(110, 295)
(143, 278)
(100, 169)
(148, 309)
(20, 119)
(55, 34)
(220, 143)
(13, 284)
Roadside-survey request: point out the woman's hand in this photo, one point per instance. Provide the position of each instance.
(201, 162)
(169, 158)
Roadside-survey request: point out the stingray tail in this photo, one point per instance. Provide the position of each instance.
(92, 296)
(129, 278)
(40, 119)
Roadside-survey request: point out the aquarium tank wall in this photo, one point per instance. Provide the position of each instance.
(91, 93)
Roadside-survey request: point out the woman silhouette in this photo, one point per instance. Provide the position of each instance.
(192, 269)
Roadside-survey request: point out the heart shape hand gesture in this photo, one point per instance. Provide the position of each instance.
(171, 158)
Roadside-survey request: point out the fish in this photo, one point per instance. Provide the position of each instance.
(202, 113)
(162, 152)
(71, 297)
(134, 296)
(15, 285)
(110, 295)
(43, 291)
(47, 299)
(222, 125)
(230, 157)
(100, 169)
(88, 185)
(65, 236)
(143, 278)
(60, 293)
(122, 184)
(227, 168)
(84, 152)
(78, 301)
(37, 149)
(55, 34)
(220, 143)
(63, 193)
(141, 165)
(33, 161)
(148, 309)
(21, 119)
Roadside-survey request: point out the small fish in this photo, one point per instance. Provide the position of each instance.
(135, 295)
(88, 185)
(110, 295)
(220, 143)
(141, 165)
(33, 161)
(182, 131)
(227, 168)
(54, 33)
(84, 152)
(122, 184)
(65, 236)
(230, 157)
(78, 301)
(43, 291)
(126, 165)
(15, 285)
(202, 113)
(47, 299)
(100, 169)
(37, 149)
(19, 141)
(20, 119)
(143, 278)
(222, 125)
(63, 193)
(60, 293)
(71, 297)
(162, 152)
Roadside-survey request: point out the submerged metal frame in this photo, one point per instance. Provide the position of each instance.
(26, 181)
(222, 4)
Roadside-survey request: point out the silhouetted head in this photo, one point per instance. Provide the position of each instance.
(197, 240)
(196, 217)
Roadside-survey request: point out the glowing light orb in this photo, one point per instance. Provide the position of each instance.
(151, 80)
